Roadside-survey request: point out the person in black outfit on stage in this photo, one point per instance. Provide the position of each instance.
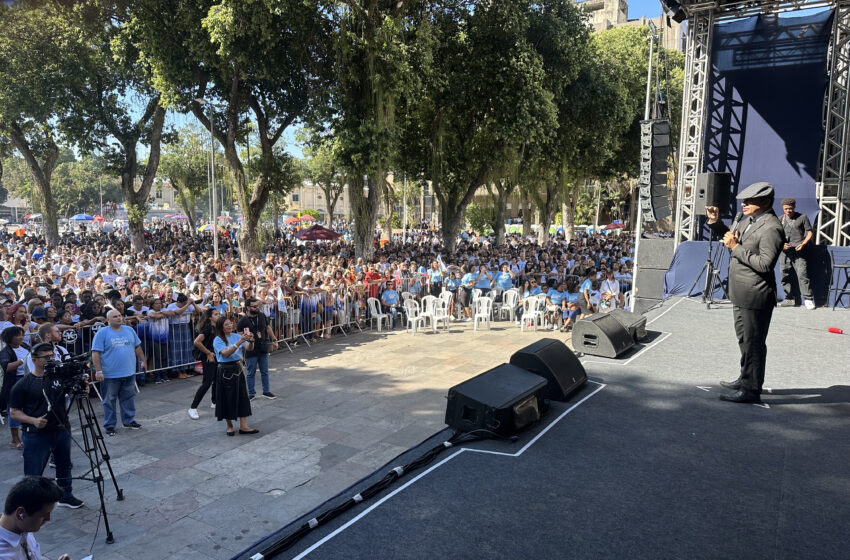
(798, 234)
(755, 243)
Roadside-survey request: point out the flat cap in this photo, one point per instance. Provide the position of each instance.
(756, 190)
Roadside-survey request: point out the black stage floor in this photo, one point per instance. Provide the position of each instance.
(644, 463)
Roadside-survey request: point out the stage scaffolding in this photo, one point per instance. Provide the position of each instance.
(832, 188)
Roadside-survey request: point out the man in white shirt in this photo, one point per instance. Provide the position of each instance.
(27, 508)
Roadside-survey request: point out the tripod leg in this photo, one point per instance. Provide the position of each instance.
(97, 436)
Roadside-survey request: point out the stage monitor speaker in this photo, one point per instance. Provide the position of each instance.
(553, 361)
(503, 400)
(634, 323)
(713, 189)
(601, 335)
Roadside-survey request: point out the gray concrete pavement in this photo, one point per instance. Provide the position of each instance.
(346, 406)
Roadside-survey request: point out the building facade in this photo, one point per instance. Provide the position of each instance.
(605, 14)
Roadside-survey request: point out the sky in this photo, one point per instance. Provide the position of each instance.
(648, 8)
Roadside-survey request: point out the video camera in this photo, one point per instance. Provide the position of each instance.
(70, 374)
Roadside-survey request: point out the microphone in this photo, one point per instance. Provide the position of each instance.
(737, 219)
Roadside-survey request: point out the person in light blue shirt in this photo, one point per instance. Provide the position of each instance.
(584, 293)
(505, 278)
(232, 400)
(484, 280)
(554, 299)
(114, 352)
(571, 304)
(464, 292)
(390, 303)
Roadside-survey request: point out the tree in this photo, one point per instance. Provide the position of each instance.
(77, 184)
(376, 46)
(185, 164)
(484, 99)
(322, 167)
(266, 59)
(32, 98)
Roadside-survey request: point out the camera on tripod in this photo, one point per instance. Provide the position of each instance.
(70, 374)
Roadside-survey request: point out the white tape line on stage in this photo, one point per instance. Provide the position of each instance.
(441, 463)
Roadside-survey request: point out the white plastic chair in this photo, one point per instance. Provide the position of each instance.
(406, 296)
(448, 297)
(509, 301)
(414, 317)
(441, 313)
(494, 295)
(428, 308)
(532, 313)
(483, 311)
(375, 313)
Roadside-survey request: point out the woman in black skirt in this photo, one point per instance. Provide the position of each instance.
(206, 354)
(231, 398)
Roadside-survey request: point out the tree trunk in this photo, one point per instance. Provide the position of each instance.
(570, 213)
(545, 220)
(365, 210)
(388, 212)
(187, 204)
(568, 230)
(41, 174)
(136, 201)
(504, 192)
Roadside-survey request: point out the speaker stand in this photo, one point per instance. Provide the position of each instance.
(711, 281)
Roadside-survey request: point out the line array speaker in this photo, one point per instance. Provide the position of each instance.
(654, 149)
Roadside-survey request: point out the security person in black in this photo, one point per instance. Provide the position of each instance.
(798, 234)
(754, 244)
(39, 405)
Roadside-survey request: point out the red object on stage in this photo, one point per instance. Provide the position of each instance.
(835, 330)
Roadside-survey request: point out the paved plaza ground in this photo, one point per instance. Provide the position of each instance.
(346, 406)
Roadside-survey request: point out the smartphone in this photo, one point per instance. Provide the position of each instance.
(246, 331)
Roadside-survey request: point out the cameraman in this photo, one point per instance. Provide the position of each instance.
(39, 406)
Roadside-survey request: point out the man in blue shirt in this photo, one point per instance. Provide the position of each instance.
(389, 299)
(114, 353)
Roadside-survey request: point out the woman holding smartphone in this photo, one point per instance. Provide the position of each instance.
(231, 400)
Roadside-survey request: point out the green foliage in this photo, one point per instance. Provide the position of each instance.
(311, 212)
(625, 50)
(266, 59)
(77, 185)
(479, 218)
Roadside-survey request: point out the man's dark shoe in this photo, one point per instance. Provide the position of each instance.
(133, 425)
(269, 395)
(70, 502)
(734, 385)
(110, 431)
(742, 396)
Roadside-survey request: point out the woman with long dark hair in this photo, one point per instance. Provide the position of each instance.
(12, 359)
(231, 399)
(204, 345)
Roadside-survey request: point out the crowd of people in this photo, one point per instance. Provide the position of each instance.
(174, 311)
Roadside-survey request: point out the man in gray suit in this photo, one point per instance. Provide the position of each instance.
(755, 243)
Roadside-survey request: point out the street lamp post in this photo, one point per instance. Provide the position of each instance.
(212, 178)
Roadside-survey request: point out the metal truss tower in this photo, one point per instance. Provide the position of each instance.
(833, 184)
